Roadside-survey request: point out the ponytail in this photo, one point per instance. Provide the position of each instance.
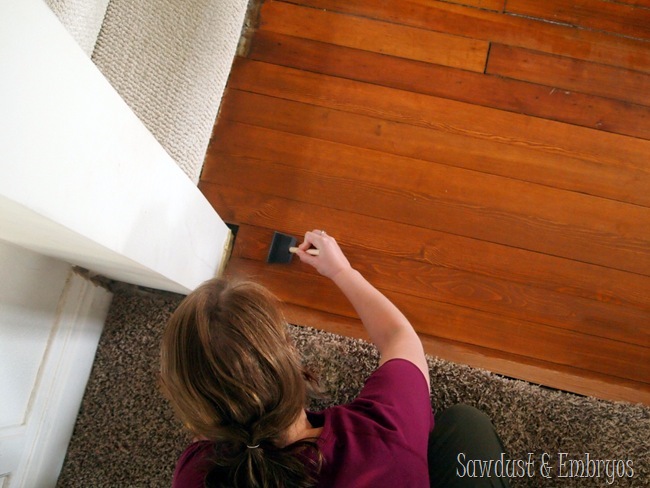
(265, 466)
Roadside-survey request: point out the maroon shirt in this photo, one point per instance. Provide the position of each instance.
(378, 440)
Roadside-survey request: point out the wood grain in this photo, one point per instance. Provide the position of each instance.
(610, 237)
(570, 74)
(605, 114)
(440, 249)
(477, 138)
(496, 5)
(638, 3)
(376, 36)
(511, 30)
(626, 20)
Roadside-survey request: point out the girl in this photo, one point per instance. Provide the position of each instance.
(235, 380)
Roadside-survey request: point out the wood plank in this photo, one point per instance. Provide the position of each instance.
(537, 372)
(513, 336)
(484, 258)
(626, 20)
(328, 322)
(581, 227)
(372, 35)
(478, 138)
(489, 294)
(465, 325)
(492, 91)
(570, 74)
(505, 29)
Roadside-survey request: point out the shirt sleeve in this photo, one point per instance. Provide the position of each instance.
(396, 396)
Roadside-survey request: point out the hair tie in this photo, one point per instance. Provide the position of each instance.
(253, 447)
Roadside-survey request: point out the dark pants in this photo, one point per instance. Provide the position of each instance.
(461, 435)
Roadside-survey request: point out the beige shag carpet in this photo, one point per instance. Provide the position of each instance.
(126, 434)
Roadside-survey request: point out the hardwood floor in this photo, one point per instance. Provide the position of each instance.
(485, 163)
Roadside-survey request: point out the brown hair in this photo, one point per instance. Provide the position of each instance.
(232, 375)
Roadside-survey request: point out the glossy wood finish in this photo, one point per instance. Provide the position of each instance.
(485, 168)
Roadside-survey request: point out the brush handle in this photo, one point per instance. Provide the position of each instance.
(313, 252)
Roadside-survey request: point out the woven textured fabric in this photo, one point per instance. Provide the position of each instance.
(170, 60)
(82, 18)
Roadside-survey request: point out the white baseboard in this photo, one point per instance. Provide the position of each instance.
(61, 384)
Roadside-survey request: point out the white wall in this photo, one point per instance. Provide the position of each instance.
(50, 323)
(81, 178)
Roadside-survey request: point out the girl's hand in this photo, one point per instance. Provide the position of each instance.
(330, 260)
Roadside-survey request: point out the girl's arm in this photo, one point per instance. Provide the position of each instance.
(388, 328)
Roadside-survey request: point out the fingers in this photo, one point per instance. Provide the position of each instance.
(330, 259)
(314, 238)
(307, 258)
(311, 241)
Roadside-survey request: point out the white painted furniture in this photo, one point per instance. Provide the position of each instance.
(82, 182)
(81, 178)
